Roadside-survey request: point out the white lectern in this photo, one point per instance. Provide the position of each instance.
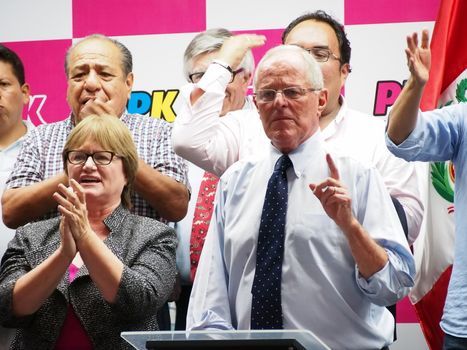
(244, 340)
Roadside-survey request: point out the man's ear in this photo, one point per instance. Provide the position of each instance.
(246, 80)
(322, 100)
(129, 83)
(344, 71)
(26, 93)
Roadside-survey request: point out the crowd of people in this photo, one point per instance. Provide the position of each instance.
(287, 205)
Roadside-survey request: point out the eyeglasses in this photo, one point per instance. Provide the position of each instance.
(291, 93)
(196, 77)
(99, 158)
(321, 54)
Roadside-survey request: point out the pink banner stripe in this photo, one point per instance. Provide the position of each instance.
(395, 11)
(136, 17)
(44, 69)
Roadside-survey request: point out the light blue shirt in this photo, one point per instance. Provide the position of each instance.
(7, 162)
(440, 135)
(321, 287)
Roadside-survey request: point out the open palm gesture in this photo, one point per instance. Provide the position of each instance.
(419, 57)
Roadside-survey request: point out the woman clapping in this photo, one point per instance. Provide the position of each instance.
(77, 281)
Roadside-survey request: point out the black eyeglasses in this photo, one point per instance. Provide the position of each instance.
(321, 54)
(99, 158)
(196, 77)
(291, 93)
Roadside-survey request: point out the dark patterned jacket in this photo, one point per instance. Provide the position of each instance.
(145, 246)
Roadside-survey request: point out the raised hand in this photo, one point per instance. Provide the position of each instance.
(419, 57)
(334, 196)
(234, 48)
(72, 205)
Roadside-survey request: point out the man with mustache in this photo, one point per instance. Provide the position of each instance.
(100, 79)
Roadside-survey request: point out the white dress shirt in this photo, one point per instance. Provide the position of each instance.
(321, 287)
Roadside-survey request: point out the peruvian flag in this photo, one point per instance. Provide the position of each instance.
(434, 249)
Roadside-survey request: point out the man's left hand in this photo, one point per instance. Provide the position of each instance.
(334, 196)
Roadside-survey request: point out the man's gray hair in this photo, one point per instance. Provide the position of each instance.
(127, 59)
(314, 74)
(209, 41)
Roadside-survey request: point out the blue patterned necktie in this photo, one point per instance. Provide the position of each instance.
(266, 308)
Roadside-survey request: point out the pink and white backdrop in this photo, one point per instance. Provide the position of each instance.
(157, 33)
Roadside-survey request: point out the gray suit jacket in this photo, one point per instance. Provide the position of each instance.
(145, 246)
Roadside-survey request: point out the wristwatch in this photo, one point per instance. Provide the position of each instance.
(223, 64)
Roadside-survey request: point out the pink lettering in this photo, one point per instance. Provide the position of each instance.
(386, 94)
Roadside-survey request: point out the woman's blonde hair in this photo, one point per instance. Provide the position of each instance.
(112, 135)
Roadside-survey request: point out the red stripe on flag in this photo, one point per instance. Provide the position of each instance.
(448, 53)
(430, 309)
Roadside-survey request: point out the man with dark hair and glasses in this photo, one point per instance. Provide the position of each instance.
(297, 239)
(347, 130)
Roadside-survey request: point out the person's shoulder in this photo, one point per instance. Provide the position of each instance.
(29, 125)
(46, 129)
(457, 110)
(147, 225)
(462, 106)
(243, 167)
(246, 116)
(244, 113)
(140, 125)
(146, 220)
(143, 119)
(36, 232)
(37, 225)
(360, 119)
(348, 163)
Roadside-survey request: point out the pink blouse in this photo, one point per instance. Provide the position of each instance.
(73, 336)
